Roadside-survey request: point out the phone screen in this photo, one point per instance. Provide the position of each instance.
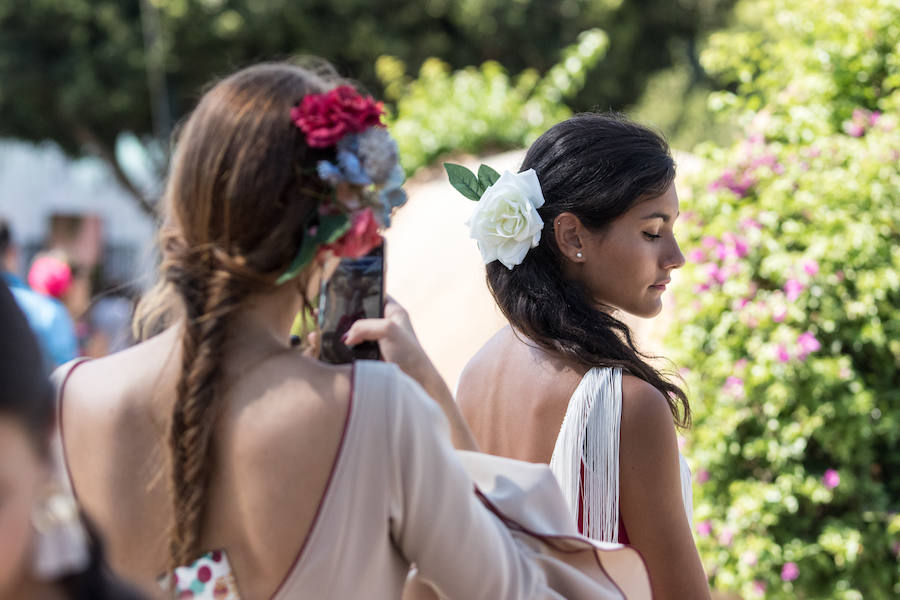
(354, 291)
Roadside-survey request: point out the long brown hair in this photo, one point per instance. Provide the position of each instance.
(596, 166)
(241, 192)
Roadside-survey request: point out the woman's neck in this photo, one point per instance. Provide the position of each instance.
(265, 319)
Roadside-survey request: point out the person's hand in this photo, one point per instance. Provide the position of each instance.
(397, 341)
(398, 344)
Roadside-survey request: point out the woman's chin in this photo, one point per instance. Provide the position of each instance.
(647, 312)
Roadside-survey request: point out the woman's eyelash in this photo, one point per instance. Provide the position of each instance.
(652, 236)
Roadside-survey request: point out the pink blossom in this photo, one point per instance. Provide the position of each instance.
(697, 255)
(790, 571)
(808, 344)
(726, 537)
(715, 273)
(702, 476)
(738, 183)
(831, 479)
(854, 129)
(751, 223)
(759, 586)
(734, 386)
(811, 267)
(704, 528)
(874, 117)
(749, 558)
(741, 364)
(792, 289)
(709, 242)
(722, 251)
(779, 313)
(741, 248)
(781, 354)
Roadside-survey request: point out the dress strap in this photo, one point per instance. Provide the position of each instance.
(589, 438)
(59, 378)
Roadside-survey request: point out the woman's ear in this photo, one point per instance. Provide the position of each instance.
(569, 233)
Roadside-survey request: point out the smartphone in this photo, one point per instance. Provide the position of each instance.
(354, 291)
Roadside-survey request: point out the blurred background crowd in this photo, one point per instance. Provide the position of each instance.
(785, 115)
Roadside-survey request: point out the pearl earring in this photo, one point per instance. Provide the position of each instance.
(578, 255)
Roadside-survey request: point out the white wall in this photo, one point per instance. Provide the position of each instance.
(37, 181)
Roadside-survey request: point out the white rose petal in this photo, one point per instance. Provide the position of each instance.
(505, 221)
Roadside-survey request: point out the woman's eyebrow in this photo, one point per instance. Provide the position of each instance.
(658, 215)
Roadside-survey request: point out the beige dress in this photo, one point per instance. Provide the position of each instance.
(400, 494)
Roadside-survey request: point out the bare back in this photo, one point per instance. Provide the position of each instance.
(274, 446)
(514, 396)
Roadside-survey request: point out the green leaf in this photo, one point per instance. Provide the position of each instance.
(487, 177)
(330, 229)
(464, 180)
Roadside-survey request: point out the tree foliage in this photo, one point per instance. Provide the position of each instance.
(476, 109)
(81, 72)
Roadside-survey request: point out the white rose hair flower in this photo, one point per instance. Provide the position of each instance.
(505, 222)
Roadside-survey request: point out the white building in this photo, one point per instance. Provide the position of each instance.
(43, 191)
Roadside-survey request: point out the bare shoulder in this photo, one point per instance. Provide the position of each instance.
(101, 392)
(646, 420)
(486, 355)
(482, 367)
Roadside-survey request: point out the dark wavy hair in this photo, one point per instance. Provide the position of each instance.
(595, 166)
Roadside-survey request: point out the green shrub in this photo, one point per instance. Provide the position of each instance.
(789, 306)
(481, 108)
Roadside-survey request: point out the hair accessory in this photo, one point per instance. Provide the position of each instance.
(505, 223)
(365, 175)
(50, 276)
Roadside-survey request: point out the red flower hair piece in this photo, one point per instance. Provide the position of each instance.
(360, 239)
(326, 118)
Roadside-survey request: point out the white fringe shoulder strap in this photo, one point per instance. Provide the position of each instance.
(589, 436)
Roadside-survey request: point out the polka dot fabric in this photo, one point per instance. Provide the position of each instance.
(208, 578)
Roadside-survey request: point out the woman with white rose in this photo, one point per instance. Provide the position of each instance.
(585, 231)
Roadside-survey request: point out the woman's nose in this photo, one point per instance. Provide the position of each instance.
(674, 259)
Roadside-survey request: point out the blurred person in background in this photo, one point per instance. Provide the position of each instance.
(54, 274)
(109, 320)
(47, 317)
(46, 552)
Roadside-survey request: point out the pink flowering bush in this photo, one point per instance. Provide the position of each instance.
(788, 312)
